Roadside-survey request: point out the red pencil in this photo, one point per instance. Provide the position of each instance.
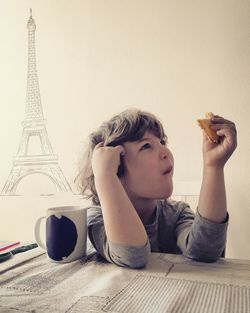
(8, 244)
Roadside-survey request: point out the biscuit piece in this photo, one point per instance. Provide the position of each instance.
(205, 125)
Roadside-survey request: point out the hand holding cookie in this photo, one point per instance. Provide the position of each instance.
(220, 139)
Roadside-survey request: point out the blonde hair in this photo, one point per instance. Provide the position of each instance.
(130, 125)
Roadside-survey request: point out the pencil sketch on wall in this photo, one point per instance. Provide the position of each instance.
(34, 126)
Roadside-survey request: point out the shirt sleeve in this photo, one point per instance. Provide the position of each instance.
(199, 238)
(122, 255)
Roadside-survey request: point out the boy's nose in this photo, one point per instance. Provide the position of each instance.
(164, 154)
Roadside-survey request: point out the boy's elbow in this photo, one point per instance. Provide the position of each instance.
(203, 259)
(204, 251)
(205, 256)
(130, 256)
(135, 262)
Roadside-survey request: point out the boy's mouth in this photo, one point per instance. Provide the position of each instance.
(168, 170)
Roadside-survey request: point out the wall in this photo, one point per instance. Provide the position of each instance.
(177, 59)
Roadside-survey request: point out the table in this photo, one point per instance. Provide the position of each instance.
(169, 283)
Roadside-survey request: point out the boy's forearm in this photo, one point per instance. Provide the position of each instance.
(122, 223)
(212, 202)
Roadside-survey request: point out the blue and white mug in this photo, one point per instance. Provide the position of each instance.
(66, 233)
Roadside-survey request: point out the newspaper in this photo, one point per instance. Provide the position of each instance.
(169, 283)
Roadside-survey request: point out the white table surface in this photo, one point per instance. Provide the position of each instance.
(169, 283)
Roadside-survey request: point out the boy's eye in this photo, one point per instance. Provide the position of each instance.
(146, 146)
(163, 142)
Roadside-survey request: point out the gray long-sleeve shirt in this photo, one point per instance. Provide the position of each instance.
(175, 229)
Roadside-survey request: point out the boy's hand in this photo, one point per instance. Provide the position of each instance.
(106, 160)
(216, 155)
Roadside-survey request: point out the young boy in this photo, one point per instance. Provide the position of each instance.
(128, 175)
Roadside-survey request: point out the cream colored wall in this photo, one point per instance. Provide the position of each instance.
(177, 59)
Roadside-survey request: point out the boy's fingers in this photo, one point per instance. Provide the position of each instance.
(121, 149)
(100, 144)
(229, 126)
(220, 120)
(123, 152)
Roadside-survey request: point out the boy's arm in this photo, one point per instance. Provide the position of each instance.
(197, 237)
(122, 223)
(212, 201)
(129, 256)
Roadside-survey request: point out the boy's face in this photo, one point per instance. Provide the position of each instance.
(148, 168)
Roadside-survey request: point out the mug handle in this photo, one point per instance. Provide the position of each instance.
(37, 233)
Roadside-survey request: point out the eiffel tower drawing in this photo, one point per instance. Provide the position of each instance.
(46, 162)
